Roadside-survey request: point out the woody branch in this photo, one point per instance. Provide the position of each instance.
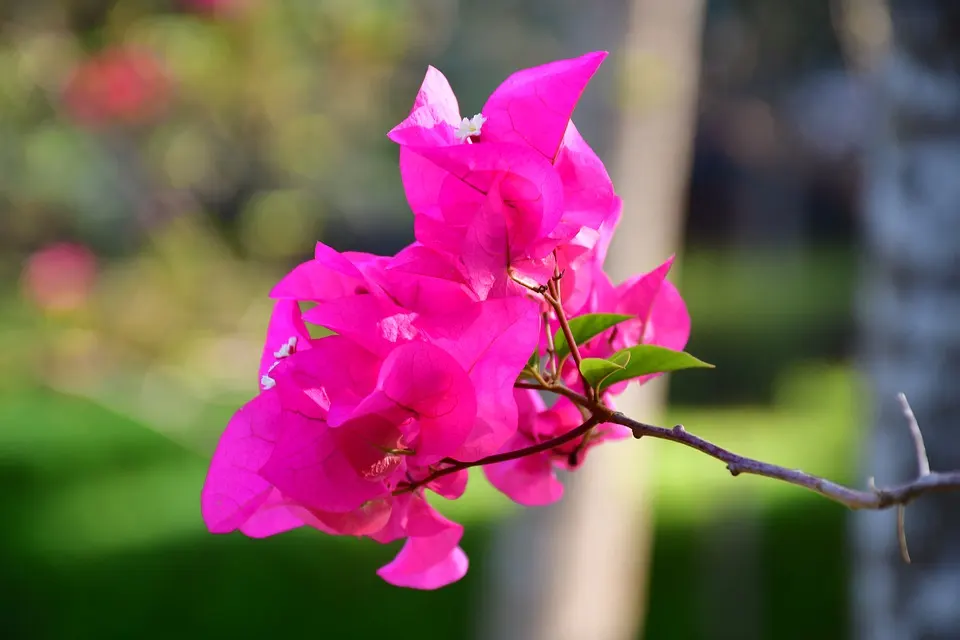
(596, 412)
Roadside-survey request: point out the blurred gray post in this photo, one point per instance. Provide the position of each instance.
(577, 570)
(910, 316)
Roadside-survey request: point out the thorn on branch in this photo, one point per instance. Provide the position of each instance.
(902, 534)
(923, 470)
(923, 463)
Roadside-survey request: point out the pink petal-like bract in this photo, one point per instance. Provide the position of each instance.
(274, 516)
(531, 480)
(434, 116)
(489, 204)
(533, 106)
(425, 282)
(234, 490)
(588, 195)
(434, 390)
(309, 384)
(328, 276)
(285, 324)
(378, 324)
(436, 92)
(662, 316)
(493, 343)
(450, 486)
(317, 465)
(364, 521)
(431, 557)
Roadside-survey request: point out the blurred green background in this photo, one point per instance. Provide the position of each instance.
(163, 162)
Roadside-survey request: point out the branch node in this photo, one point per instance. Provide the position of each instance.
(679, 430)
(733, 469)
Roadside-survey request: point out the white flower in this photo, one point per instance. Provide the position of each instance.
(286, 349)
(470, 127)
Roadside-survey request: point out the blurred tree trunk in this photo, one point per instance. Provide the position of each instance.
(577, 569)
(910, 315)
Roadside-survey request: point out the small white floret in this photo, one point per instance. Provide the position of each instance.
(286, 349)
(470, 127)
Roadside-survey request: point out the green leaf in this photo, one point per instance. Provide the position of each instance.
(621, 358)
(595, 370)
(534, 362)
(585, 327)
(645, 359)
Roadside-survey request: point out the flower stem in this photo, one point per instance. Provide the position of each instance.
(553, 298)
(546, 445)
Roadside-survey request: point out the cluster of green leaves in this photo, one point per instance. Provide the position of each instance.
(625, 364)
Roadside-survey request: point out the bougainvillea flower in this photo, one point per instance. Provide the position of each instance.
(419, 295)
(419, 379)
(238, 494)
(278, 467)
(524, 126)
(338, 441)
(423, 408)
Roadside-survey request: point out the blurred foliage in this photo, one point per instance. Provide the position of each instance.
(198, 147)
(757, 312)
(268, 117)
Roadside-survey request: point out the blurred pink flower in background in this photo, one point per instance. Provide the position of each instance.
(60, 277)
(117, 85)
(214, 7)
